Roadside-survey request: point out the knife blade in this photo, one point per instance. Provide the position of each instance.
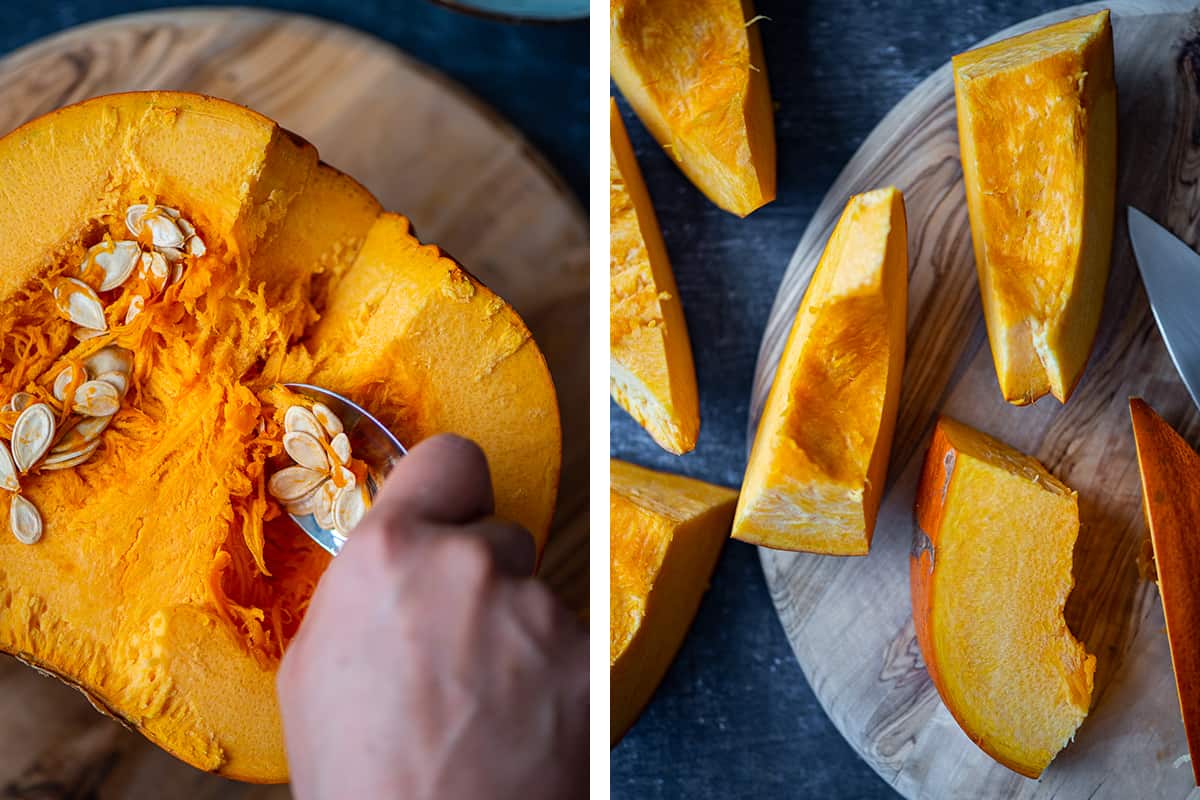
(1171, 273)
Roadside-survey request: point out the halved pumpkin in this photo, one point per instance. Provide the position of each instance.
(166, 584)
(651, 371)
(991, 572)
(1037, 124)
(693, 71)
(666, 532)
(819, 461)
(1170, 472)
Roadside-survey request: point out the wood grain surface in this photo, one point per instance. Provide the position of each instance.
(425, 148)
(849, 620)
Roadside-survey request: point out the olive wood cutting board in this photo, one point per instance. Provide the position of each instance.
(849, 620)
(425, 148)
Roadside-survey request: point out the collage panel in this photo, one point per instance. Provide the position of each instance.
(903, 303)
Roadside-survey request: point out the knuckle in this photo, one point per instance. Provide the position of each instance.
(467, 557)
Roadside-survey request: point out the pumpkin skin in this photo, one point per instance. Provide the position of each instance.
(651, 371)
(819, 461)
(166, 586)
(1170, 472)
(693, 71)
(666, 532)
(990, 573)
(1037, 124)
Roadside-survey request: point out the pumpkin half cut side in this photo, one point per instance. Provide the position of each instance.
(167, 583)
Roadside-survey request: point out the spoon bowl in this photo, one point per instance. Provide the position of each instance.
(370, 441)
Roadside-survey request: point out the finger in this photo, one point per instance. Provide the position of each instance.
(444, 479)
(511, 546)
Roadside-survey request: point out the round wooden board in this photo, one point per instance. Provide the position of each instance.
(849, 619)
(425, 148)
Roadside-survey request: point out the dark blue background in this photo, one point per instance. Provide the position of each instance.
(534, 75)
(735, 717)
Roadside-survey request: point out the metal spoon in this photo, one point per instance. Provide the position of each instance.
(370, 442)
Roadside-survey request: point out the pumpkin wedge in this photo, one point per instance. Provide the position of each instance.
(819, 461)
(651, 371)
(1171, 501)
(693, 71)
(166, 583)
(666, 532)
(1037, 125)
(991, 571)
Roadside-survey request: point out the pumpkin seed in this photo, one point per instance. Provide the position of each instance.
(349, 508)
(299, 419)
(32, 434)
(292, 483)
(133, 218)
(342, 477)
(96, 398)
(24, 520)
(83, 334)
(171, 254)
(163, 230)
(8, 470)
(196, 246)
(21, 401)
(341, 447)
(308, 503)
(154, 270)
(65, 377)
(306, 450)
(116, 259)
(329, 421)
(137, 304)
(177, 272)
(70, 458)
(79, 303)
(80, 435)
(118, 380)
(109, 359)
(323, 506)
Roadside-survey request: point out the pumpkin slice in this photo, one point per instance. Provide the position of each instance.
(1171, 501)
(166, 583)
(1037, 124)
(665, 535)
(652, 376)
(991, 571)
(819, 461)
(693, 71)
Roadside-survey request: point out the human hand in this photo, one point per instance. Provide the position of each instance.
(429, 665)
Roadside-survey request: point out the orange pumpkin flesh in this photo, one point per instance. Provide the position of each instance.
(666, 532)
(167, 584)
(819, 461)
(991, 572)
(1037, 123)
(1171, 501)
(693, 71)
(651, 371)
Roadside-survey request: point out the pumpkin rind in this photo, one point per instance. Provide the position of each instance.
(990, 573)
(651, 371)
(666, 532)
(165, 585)
(1037, 124)
(693, 71)
(819, 461)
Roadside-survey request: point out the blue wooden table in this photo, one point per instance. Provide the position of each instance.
(734, 716)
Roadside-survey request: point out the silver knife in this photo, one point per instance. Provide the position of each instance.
(1171, 272)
